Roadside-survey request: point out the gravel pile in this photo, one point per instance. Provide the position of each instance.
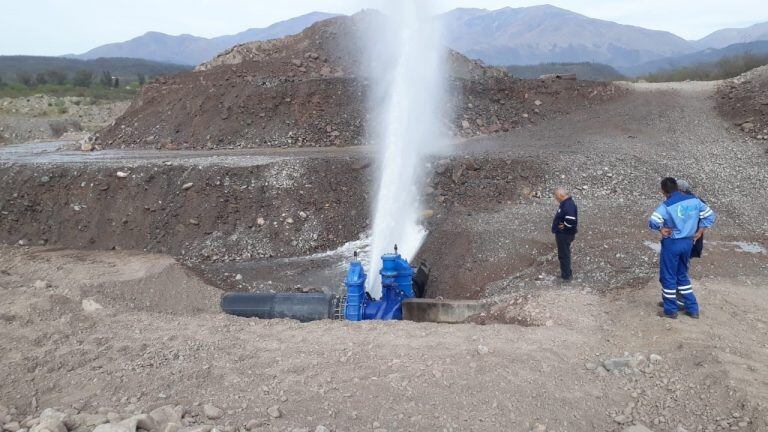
(744, 101)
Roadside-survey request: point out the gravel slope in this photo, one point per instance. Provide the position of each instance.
(612, 159)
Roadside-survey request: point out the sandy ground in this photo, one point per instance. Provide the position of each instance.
(160, 341)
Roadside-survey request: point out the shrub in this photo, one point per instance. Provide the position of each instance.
(56, 77)
(24, 78)
(106, 79)
(41, 79)
(82, 78)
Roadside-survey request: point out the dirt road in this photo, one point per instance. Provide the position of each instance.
(158, 340)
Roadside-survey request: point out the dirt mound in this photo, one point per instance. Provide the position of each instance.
(120, 280)
(309, 90)
(744, 101)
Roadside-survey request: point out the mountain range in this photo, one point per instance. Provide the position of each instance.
(725, 37)
(508, 36)
(192, 50)
(541, 34)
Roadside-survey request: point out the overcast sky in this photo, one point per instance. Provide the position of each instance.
(54, 27)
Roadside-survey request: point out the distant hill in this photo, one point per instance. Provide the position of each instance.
(726, 37)
(193, 50)
(584, 71)
(724, 68)
(545, 34)
(704, 56)
(127, 69)
(508, 36)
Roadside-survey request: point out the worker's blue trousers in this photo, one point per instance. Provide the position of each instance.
(673, 275)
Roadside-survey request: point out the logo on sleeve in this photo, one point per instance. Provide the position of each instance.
(684, 210)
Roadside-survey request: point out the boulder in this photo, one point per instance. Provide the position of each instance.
(90, 305)
(212, 413)
(141, 421)
(274, 411)
(84, 420)
(167, 414)
(114, 427)
(200, 428)
(50, 425)
(637, 428)
(41, 284)
(11, 427)
(635, 362)
(50, 414)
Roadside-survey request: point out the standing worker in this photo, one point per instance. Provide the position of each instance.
(681, 219)
(698, 247)
(564, 227)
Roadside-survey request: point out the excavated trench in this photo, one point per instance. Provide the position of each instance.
(252, 221)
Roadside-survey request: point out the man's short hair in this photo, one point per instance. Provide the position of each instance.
(669, 185)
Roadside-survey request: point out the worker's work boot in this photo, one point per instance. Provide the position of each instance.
(671, 316)
(680, 305)
(693, 315)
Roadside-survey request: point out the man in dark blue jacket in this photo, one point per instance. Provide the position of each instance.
(564, 227)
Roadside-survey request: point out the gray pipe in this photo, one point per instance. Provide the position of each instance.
(301, 307)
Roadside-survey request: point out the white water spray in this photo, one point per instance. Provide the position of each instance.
(408, 79)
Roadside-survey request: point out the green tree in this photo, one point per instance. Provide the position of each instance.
(82, 78)
(116, 83)
(41, 79)
(56, 77)
(106, 78)
(2, 83)
(142, 79)
(24, 78)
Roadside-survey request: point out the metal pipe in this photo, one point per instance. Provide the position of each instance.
(301, 307)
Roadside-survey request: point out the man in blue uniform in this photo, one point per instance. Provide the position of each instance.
(681, 219)
(564, 227)
(698, 247)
